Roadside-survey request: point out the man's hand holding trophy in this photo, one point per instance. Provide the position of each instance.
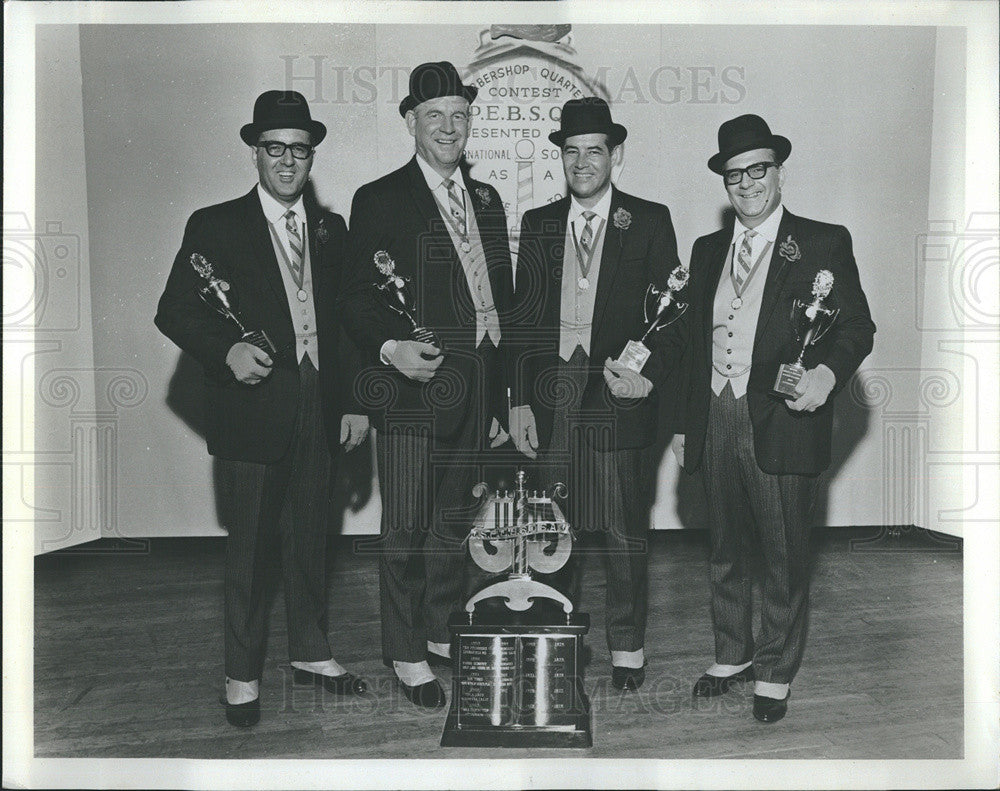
(251, 358)
(419, 357)
(809, 389)
(660, 309)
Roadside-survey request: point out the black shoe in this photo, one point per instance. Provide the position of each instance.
(429, 694)
(770, 709)
(242, 715)
(629, 678)
(344, 684)
(436, 660)
(709, 686)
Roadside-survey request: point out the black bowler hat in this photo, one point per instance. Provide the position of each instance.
(587, 116)
(745, 134)
(281, 110)
(432, 81)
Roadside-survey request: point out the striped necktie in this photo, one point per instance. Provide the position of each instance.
(295, 243)
(745, 265)
(587, 237)
(456, 205)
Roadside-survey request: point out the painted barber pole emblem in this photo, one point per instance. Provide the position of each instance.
(525, 73)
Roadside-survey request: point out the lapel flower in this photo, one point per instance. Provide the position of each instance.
(484, 195)
(622, 219)
(789, 250)
(322, 234)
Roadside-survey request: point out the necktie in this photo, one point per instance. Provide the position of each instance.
(587, 237)
(456, 205)
(295, 243)
(745, 265)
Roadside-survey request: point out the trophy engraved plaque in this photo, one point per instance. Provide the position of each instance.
(660, 309)
(517, 670)
(811, 320)
(397, 296)
(220, 296)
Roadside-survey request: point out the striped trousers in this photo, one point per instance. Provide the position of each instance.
(277, 516)
(750, 512)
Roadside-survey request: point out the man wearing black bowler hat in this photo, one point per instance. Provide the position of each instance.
(275, 409)
(760, 452)
(435, 404)
(584, 265)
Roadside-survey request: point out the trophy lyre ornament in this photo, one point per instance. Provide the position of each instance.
(811, 320)
(398, 297)
(520, 532)
(516, 650)
(660, 309)
(219, 295)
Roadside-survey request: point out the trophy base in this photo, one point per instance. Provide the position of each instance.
(259, 339)
(518, 680)
(425, 335)
(634, 356)
(789, 375)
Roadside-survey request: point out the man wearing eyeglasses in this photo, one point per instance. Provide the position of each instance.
(275, 408)
(761, 453)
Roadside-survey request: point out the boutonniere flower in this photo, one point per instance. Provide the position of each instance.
(322, 234)
(789, 250)
(484, 195)
(622, 219)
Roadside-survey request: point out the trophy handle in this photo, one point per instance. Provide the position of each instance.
(652, 297)
(823, 326)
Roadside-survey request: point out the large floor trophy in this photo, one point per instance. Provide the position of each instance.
(811, 320)
(518, 673)
(220, 296)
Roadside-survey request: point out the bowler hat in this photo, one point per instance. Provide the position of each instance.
(281, 110)
(745, 134)
(432, 81)
(586, 116)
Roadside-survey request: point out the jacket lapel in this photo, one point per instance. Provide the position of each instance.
(611, 253)
(554, 259)
(422, 197)
(777, 270)
(265, 259)
(491, 226)
(316, 264)
(717, 257)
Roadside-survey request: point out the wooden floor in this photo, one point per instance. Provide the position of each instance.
(128, 661)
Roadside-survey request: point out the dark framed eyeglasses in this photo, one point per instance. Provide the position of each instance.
(277, 149)
(756, 171)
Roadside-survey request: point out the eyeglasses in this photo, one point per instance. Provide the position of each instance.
(276, 149)
(756, 171)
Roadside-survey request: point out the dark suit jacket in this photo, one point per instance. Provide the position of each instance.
(784, 441)
(398, 214)
(631, 259)
(255, 422)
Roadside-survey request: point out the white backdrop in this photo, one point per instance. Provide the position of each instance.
(138, 126)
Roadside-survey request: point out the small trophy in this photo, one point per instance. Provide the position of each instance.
(812, 320)
(663, 307)
(220, 296)
(396, 294)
